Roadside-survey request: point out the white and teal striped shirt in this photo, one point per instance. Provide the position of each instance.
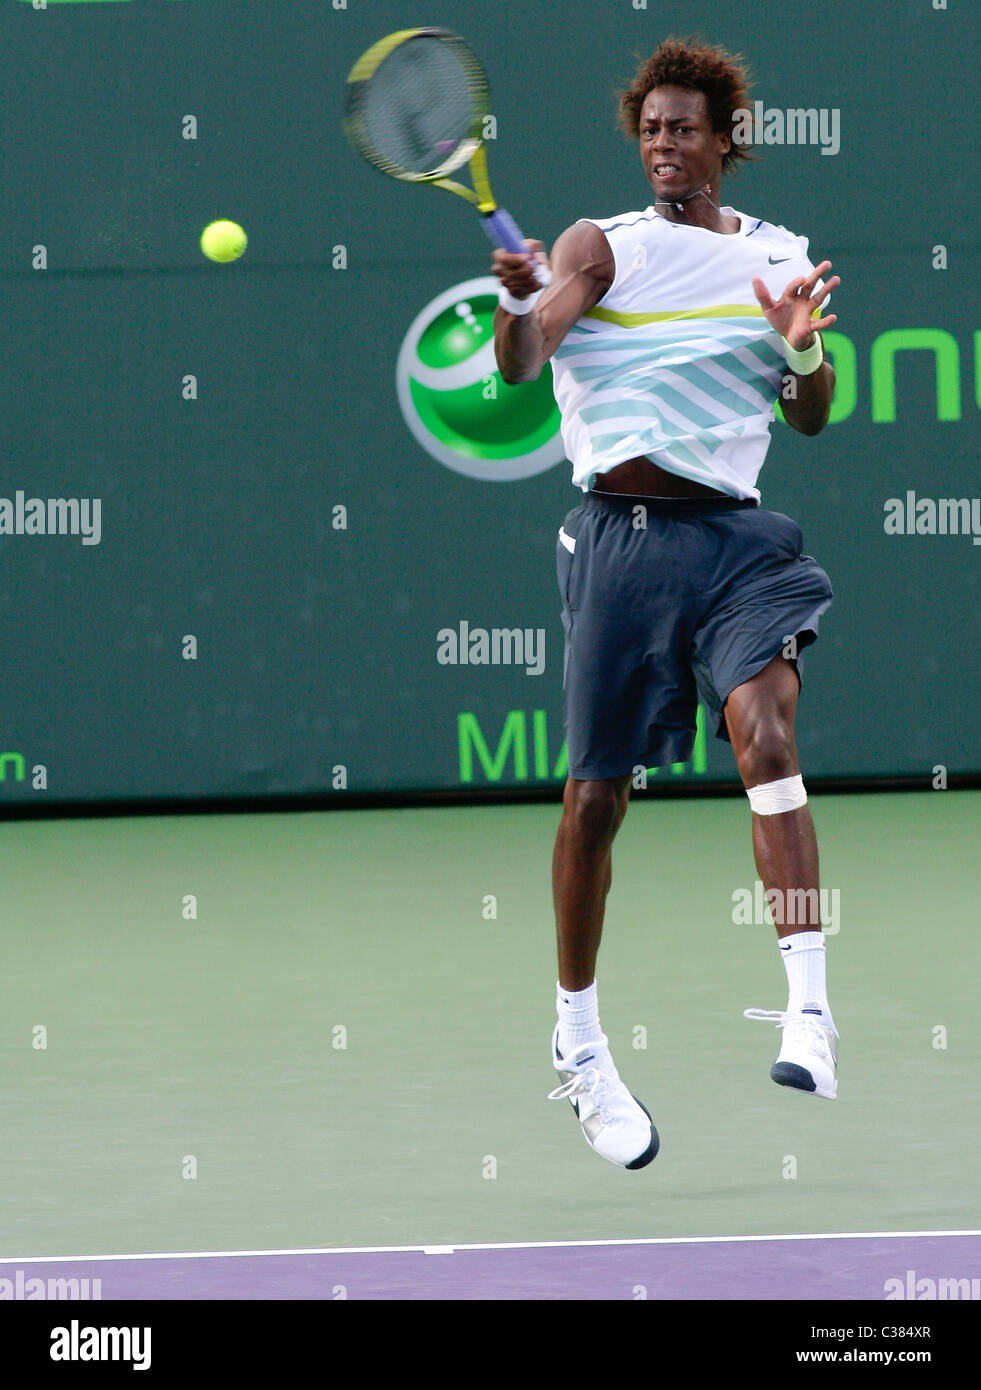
(676, 361)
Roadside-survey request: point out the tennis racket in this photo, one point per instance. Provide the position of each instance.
(415, 107)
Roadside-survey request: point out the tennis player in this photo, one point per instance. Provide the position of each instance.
(672, 332)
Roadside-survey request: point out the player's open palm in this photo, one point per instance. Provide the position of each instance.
(792, 314)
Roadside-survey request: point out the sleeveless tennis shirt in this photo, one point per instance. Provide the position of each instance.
(676, 361)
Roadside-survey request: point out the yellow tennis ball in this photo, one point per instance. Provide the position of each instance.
(223, 241)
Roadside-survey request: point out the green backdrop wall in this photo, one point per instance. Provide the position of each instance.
(261, 490)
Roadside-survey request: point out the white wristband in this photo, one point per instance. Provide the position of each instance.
(518, 306)
(806, 362)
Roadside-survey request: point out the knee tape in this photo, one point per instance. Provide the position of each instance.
(773, 797)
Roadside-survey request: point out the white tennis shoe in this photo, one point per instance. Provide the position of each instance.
(613, 1121)
(808, 1058)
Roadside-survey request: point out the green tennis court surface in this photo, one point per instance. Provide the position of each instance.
(177, 1045)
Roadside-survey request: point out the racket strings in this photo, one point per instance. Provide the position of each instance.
(420, 106)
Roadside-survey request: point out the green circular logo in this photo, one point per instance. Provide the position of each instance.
(455, 401)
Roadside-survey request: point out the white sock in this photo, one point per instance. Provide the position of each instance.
(578, 1014)
(804, 960)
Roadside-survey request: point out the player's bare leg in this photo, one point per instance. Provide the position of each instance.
(760, 719)
(613, 1121)
(582, 871)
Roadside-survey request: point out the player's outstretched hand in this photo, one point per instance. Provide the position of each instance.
(791, 314)
(517, 273)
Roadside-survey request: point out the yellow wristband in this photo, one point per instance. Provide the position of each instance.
(806, 362)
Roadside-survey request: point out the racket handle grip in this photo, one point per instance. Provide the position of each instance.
(503, 231)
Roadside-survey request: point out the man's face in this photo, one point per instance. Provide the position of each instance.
(676, 137)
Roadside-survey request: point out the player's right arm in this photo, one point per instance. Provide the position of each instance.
(582, 268)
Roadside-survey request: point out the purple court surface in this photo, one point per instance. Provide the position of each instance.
(938, 1265)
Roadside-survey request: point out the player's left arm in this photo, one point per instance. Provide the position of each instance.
(795, 317)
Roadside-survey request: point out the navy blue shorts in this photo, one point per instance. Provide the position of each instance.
(656, 617)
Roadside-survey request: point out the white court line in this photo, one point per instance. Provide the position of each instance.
(496, 1245)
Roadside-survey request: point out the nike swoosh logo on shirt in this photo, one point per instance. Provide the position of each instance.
(781, 260)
